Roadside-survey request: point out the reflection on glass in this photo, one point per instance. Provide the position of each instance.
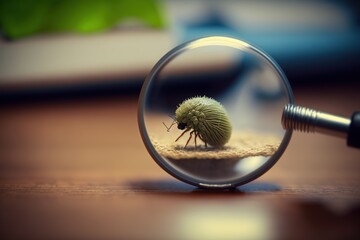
(249, 86)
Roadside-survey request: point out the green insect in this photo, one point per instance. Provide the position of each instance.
(205, 118)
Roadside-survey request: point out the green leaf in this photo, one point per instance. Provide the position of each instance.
(81, 16)
(19, 18)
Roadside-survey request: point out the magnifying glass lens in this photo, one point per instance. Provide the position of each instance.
(210, 112)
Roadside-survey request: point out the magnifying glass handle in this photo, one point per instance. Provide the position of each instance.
(309, 120)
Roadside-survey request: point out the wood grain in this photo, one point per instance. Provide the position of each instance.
(79, 170)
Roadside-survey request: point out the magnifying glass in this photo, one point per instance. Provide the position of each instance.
(217, 112)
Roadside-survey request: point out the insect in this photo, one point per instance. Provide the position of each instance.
(205, 118)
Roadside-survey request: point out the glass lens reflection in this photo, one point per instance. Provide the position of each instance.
(247, 84)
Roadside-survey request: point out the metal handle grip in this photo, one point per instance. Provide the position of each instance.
(309, 120)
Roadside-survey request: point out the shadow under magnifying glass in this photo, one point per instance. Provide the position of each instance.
(173, 186)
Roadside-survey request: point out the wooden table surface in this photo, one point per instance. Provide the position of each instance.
(79, 170)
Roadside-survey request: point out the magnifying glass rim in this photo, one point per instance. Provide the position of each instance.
(202, 42)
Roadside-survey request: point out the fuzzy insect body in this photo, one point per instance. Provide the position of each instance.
(206, 118)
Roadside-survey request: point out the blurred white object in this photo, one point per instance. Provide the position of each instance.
(54, 59)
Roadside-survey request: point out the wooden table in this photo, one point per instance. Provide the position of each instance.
(79, 170)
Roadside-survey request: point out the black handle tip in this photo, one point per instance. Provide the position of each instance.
(353, 139)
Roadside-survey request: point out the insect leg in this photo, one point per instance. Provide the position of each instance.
(203, 140)
(182, 134)
(196, 135)
(191, 133)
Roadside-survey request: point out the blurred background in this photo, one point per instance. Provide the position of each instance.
(72, 163)
(54, 49)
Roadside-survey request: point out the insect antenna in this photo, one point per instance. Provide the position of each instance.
(172, 117)
(172, 124)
